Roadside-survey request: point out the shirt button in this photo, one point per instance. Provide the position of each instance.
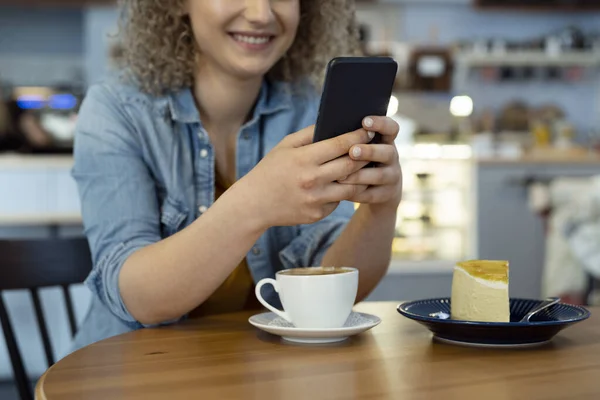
(203, 153)
(246, 136)
(202, 209)
(256, 251)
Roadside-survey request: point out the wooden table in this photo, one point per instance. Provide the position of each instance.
(225, 357)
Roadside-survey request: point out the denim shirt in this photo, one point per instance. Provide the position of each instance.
(144, 167)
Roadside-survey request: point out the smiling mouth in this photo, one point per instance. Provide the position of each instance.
(252, 40)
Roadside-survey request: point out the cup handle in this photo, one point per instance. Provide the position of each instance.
(273, 282)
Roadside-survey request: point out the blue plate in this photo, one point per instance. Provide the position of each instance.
(541, 328)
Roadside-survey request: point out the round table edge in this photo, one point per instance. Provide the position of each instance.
(39, 387)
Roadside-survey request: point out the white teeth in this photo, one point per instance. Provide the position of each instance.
(251, 39)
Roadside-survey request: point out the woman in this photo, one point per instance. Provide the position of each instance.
(198, 177)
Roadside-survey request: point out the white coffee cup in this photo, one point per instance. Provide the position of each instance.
(311, 300)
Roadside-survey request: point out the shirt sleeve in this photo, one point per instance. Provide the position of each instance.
(118, 196)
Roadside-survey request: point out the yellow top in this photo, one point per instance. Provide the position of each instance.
(491, 270)
(236, 293)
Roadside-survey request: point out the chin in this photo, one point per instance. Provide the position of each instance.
(252, 71)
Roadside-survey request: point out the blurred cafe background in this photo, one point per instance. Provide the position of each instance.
(499, 107)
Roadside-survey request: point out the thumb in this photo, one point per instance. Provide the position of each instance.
(301, 138)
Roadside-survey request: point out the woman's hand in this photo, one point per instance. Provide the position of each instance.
(384, 180)
(297, 182)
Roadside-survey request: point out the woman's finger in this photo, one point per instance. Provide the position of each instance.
(330, 149)
(381, 153)
(374, 194)
(340, 168)
(387, 127)
(374, 176)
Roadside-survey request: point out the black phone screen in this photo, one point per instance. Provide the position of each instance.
(355, 87)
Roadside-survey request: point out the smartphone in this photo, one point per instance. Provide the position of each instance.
(355, 87)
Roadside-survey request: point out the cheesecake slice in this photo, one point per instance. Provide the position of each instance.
(480, 291)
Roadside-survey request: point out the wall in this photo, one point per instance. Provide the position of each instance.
(580, 100)
(40, 46)
(47, 46)
(100, 25)
(40, 31)
(426, 23)
(455, 22)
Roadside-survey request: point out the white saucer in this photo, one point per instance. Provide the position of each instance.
(356, 323)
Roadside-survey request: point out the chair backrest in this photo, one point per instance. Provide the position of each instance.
(31, 265)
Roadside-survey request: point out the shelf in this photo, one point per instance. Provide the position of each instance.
(12, 161)
(529, 58)
(40, 219)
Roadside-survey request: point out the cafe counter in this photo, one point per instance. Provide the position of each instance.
(37, 191)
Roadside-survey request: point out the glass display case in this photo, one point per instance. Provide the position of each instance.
(434, 221)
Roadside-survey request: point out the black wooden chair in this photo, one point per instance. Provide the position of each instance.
(33, 264)
(592, 290)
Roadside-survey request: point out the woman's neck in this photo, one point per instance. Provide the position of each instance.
(224, 102)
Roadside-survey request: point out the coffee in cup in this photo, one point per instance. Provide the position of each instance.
(315, 271)
(314, 297)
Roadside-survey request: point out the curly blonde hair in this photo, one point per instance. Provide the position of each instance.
(158, 50)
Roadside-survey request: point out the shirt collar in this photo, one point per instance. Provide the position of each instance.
(273, 97)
